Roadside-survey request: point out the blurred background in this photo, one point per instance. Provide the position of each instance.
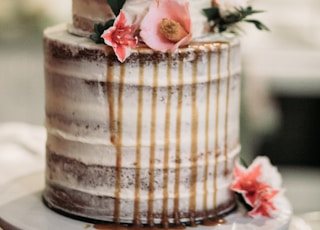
(280, 114)
(21, 55)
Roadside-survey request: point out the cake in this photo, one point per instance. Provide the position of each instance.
(147, 133)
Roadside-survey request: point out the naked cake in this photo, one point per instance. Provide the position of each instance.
(143, 128)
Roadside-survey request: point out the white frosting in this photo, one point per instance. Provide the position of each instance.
(75, 110)
(63, 101)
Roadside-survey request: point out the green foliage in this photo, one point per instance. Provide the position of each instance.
(116, 5)
(99, 28)
(243, 202)
(212, 13)
(243, 162)
(224, 23)
(257, 24)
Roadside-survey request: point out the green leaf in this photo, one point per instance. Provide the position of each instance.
(98, 29)
(243, 162)
(243, 202)
(116, 5)
(258, 24)
(249, 10)
(96, 38)
(211, 13)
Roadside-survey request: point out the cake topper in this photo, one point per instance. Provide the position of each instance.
(166, 24)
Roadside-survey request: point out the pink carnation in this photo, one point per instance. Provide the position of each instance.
(255, 186)
(121, 36)
(159, 10)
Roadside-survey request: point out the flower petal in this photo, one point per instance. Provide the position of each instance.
(121, 20)
(269, 173)
(122, 52)
(175, 10)
(238, 170)
(265, 205)
(121, 36)
(107, 36)
(256, 186)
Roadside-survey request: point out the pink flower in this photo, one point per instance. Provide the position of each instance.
(246, 183)
(167, 25)
(121, 36)
(264, 205)
(257, 188)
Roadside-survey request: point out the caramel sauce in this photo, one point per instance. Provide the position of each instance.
(136, 215)
(119, 145)
(152, 144)
(194, 141)
(178, 145)
(227, 114)
(116, 139)
(214, 222)
(166, 145)
(113, 137)
(110, 98)
(208, 102)
(109, 227)
(216, 147)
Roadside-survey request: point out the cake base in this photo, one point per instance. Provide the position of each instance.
(220, 218)
(21, 207)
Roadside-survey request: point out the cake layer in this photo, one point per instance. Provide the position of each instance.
(85, 116)
(78, 203)
(82, 188)
(153, 137)
(88, 12)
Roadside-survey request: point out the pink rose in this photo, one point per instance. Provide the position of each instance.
(167, 25)
(256, 186)
(121, 36)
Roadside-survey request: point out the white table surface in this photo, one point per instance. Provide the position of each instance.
(22, 148)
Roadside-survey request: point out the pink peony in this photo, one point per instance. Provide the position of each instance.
(175, 16)
(256, 187)
(121, 36)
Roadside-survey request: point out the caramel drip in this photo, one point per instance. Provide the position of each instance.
(216, 147)
(214, 222)
(118, 144)
(178, 146)
(120, 108)
(110, 227)
(227, 114)
(165, 220)
(152, 145)
(136, 217)
(194, 142)
(205, 185)
(110, 96)
(113, 136)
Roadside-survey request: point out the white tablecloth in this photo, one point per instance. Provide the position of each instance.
(22, 150)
